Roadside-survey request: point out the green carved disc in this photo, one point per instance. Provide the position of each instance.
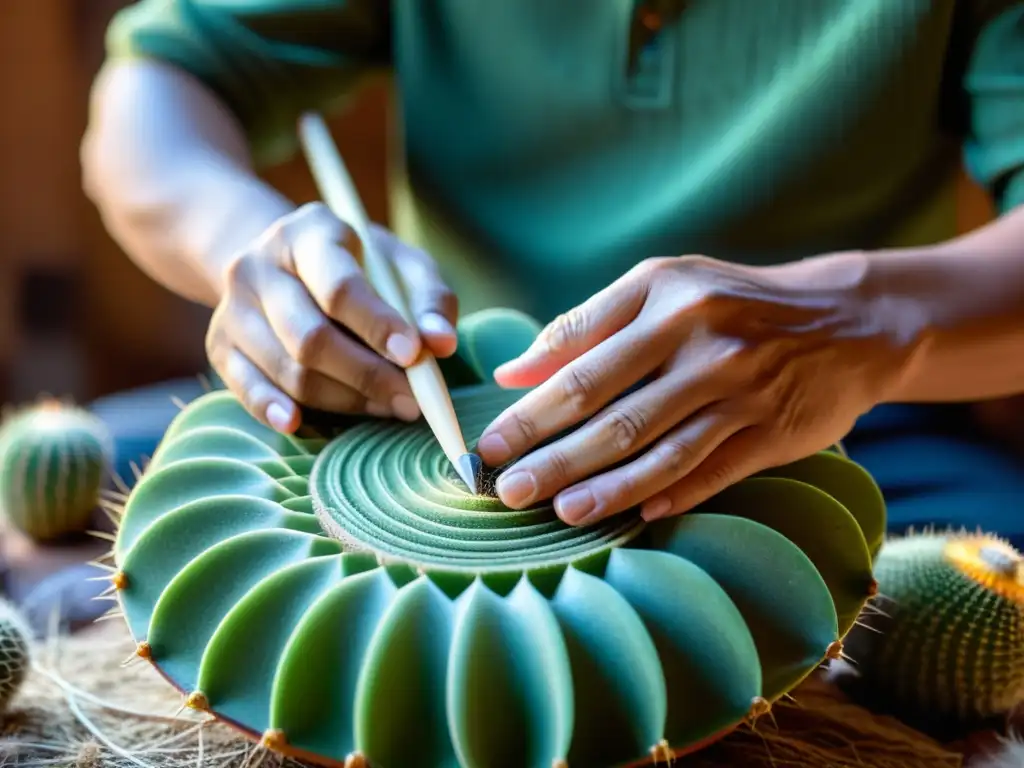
(349, 601)
(391, 490)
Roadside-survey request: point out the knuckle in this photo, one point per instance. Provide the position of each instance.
(378, 331)
(676, 457)
(579, 387)
(311, 218)
(525, 428)
(719, 476)
(565, 329)
(625, 427)
(339, 295)
(311, 343)
(654, 266)
(313, 213)
(313, 209)
(298, 381)
(276, 239)
(372, 382)
(238, 272)
(669, 324)
(559, 467)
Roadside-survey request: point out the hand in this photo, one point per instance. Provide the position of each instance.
(298, 323)
(740, 369)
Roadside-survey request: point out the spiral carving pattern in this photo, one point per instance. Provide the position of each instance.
(391, 490)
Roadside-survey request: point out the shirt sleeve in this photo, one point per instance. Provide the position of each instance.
(994, 88)
(268, 60)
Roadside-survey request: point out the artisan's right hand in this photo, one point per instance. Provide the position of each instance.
(272, 339)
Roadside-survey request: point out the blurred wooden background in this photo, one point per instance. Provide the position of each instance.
(76, 316)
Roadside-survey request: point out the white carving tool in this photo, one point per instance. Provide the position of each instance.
(425, 379)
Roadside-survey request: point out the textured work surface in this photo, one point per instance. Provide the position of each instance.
(436, 628)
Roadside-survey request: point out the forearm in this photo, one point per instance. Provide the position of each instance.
(959, 307)
(169, 170)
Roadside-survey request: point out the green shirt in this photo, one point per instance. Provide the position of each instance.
(541, 160)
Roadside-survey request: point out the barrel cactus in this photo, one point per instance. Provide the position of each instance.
(53, 463)
(14, 653)
(348, 601)
(945, 650)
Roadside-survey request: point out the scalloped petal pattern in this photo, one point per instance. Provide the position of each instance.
(348, 597)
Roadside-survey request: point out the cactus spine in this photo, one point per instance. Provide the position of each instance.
(53, 461)
(947, 648)
(14, 654)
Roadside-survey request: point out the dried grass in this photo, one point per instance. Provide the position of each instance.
(83, 708)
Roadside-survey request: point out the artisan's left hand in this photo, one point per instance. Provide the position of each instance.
(744, 368)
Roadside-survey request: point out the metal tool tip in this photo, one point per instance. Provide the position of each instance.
(468, 467)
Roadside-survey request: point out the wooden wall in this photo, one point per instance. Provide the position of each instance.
(76, 316)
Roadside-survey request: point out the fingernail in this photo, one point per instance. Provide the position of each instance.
(435, 323)
(402, 349)
(517, 488)
(278, 417)
(655, 508)
(493, 449)
(378, 409)
(405, 408)
(575, 506)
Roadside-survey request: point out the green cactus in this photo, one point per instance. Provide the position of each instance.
(14, 653)
(945, 650)
(53, 463)
(349, 602)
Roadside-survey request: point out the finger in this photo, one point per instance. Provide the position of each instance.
(573, 333)
(573, 394)
(614, 434)
(265, 402)
(316, 344)
(252, 334)
(742, 455)
(676, 454)
(432, 302)
(339, 287)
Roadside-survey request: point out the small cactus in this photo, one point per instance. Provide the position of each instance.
(946, 648)
(53, 462)
(14, 653)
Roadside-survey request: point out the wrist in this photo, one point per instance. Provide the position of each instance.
(881, 313)
(960, 309)
(233, 211)
(902, 291)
